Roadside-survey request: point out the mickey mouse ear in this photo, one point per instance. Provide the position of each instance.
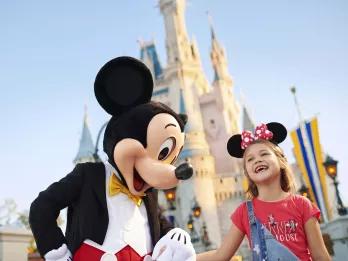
(234, 146)
(123, 83)
(278, 130)
(183, 117)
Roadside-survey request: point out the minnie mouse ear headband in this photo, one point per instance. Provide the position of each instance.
(274, 132)
(123, 83)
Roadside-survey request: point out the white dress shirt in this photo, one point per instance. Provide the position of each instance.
(128, 224)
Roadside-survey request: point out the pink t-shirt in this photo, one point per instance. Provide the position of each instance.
(285, 219)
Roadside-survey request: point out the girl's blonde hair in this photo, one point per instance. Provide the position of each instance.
(286, 175)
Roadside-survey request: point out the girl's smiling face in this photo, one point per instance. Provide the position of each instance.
(261, 163)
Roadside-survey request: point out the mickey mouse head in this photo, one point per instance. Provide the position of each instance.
(143, 138)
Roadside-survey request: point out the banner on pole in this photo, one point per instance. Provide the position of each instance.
(309, 157)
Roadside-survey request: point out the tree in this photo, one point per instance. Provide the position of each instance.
(8, 212)
(23, 219)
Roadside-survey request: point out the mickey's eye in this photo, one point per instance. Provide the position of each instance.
(166, 148)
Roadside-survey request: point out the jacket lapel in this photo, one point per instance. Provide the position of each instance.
(99, 185)
(150, 201)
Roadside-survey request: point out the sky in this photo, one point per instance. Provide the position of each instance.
(50, 52)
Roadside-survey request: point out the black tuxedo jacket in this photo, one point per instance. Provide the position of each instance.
(83, 192)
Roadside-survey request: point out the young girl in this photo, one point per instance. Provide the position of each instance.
(279, 225)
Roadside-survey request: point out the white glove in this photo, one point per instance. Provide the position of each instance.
(174, 246)
(60, 254)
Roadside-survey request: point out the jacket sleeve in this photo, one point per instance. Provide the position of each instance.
(165, 225)
(45, 209)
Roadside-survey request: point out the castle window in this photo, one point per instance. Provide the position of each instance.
(193, 52)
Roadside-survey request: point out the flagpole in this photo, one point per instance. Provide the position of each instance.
(312, 163)
(297, 105)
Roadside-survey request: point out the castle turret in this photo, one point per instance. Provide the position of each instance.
(220, 118)
(183, 59)
(86, 147)
(185, 77)
(177, 42)
(223, 85)
(219, 61)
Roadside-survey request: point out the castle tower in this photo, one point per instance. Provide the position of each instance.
(86, 147)
(186, 82)
(177, 43)
(223, 84)
(183, 58)
(220, 111)
(220, 118)
(219, 60)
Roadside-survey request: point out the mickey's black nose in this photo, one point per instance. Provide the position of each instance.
(184, 171)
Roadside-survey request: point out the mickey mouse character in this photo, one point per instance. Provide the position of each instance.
(113, 212)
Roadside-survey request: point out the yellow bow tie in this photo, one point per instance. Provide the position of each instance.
(115, 187)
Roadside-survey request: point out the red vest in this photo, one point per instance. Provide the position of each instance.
(90, 253)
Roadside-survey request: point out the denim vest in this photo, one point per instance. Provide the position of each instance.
(264, 246)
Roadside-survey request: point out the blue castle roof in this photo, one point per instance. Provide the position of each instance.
(150, 51)
(86, 148)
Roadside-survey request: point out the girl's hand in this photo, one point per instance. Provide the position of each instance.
(315, 240)
(227, 249)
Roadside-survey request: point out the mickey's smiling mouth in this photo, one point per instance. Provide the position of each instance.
(138, 182)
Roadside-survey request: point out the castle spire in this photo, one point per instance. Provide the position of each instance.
(86, 147)
(247, 119)
(218, 57)
(210, 20)
(178, 45)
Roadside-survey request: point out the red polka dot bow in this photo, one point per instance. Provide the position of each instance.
(261, 132)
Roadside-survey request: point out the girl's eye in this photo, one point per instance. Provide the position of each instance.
(264, 154)
(250, 159)
(166, 148)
